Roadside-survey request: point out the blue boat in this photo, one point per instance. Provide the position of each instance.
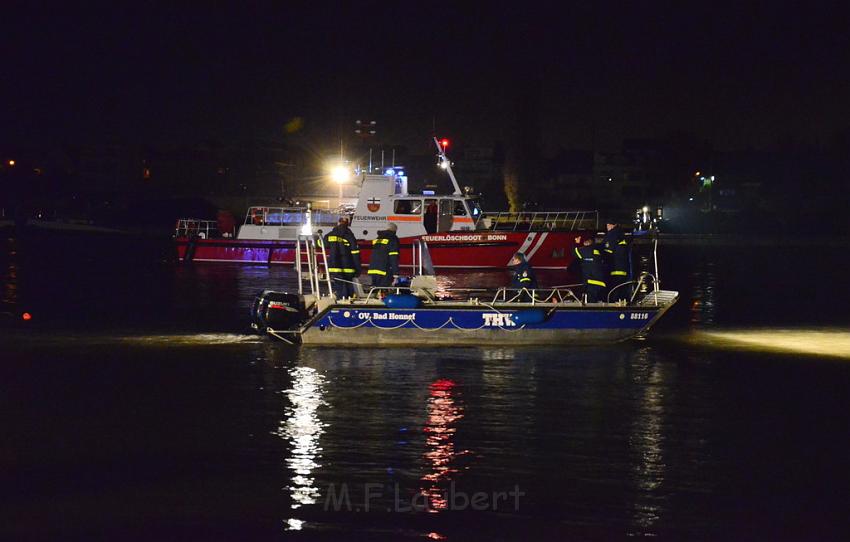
(420, 315)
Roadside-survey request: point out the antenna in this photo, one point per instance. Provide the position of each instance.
(446, 163)
(366, 129)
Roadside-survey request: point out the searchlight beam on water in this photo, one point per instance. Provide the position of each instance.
(829, 342)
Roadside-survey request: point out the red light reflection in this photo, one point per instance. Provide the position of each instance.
(443, 415)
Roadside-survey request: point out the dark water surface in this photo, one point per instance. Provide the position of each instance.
(135, 407)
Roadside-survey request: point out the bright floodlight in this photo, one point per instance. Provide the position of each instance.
(339, 174)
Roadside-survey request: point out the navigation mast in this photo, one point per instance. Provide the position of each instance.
(446, 164)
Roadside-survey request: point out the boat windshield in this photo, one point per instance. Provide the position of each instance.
(288, 216)
(475, 207)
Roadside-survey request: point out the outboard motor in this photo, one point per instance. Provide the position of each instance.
(277, 310)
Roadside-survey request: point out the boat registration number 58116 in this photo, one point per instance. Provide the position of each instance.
(640, 316)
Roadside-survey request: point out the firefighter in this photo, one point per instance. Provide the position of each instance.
(343, 258)
(430, 219)
(383, 264)
(523, 275)
(617, 249)
(592, 269)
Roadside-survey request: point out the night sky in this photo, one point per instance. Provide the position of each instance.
(739, 75)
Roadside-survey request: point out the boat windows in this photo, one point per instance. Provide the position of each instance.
(256, 216)
(459, 208)
(289, 216)
(407, 206)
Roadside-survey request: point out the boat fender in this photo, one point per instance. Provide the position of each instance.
(401, 301)
(530, 316)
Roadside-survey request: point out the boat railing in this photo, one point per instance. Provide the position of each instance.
(538, 220)
(482, 295)
(645, 293)
(646, 284)
(560, 294)
(194, 227)
(289, 216)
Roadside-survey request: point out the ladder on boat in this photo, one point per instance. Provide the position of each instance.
(307, 264)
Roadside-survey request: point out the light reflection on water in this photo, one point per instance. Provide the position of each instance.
(440, 427)
(302, 428)
(703, 302)
(670, 414)
(151, 341)
(194, 339)
(10, 279)
(646, 439)
(830, 342)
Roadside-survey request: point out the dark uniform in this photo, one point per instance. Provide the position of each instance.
(617, 251)
(430, 220)
(592, 272)
(343, 259)
(523, 276)
(383, 265)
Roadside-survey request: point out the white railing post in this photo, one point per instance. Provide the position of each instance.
(298, 263)
(655, 257)
(327, 273)
(316, 268)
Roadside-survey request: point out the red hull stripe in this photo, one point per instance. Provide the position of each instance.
(549, 250)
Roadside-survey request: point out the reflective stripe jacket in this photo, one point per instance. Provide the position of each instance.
(523, 276)
(384, 259)
(617, 250)
(592, 265)
(342, 251)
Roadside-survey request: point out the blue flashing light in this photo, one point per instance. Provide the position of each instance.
(428, 192)
(389, 171)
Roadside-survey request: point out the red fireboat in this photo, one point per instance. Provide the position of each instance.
(459, 234)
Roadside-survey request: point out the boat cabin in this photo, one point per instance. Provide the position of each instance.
(384, 199)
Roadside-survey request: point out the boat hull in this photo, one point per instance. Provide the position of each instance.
(465, 250)
(380, 326)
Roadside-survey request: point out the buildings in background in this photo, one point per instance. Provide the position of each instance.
(683, 175)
